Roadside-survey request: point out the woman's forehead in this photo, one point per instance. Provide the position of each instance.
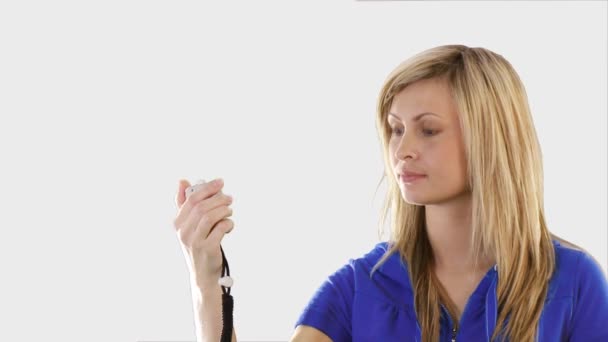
(423, 97)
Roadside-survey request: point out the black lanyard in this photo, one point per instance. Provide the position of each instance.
(227, 302)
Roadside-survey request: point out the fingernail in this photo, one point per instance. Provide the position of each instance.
(217, 181)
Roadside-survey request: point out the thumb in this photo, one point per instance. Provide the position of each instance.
(180, 197)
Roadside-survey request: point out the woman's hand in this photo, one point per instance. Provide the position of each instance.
(201, 223)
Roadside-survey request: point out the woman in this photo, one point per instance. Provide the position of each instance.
(470, 257)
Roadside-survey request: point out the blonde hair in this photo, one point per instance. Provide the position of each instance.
(505, 177)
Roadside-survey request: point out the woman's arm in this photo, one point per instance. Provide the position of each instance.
(304, 333)
(590, 302)
(208, 314)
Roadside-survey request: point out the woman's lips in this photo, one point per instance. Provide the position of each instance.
(410, 178)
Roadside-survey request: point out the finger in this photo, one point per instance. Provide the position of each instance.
(198, 212)
(201, 209)
(229, 229)
(203, 192)
(180, 197)
(209, 220)
(220, 230)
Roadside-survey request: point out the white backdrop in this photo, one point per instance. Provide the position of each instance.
(105, 105)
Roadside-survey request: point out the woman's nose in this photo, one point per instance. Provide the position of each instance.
(406, 147)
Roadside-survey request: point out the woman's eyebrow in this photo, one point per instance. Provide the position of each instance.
(417, 117)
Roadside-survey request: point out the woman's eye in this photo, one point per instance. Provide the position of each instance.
(427, 132)
(430, 131)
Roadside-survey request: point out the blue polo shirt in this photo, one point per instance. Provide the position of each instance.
(351, 306)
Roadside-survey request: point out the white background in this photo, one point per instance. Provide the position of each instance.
(105, 105)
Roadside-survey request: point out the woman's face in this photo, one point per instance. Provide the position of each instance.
(430, 144)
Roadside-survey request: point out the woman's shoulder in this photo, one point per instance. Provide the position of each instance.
(573, 265)
(581, 281)
(373, 255)
(372, 264)
(376, 252)
(569, 256)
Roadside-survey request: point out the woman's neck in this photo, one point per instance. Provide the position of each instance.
(449, 229)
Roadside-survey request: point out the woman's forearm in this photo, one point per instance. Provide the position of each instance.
(208, 314)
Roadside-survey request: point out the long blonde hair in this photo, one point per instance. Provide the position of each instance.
(505, 176)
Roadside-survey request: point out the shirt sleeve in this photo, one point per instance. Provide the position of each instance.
(590, 307)
(330, 308)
